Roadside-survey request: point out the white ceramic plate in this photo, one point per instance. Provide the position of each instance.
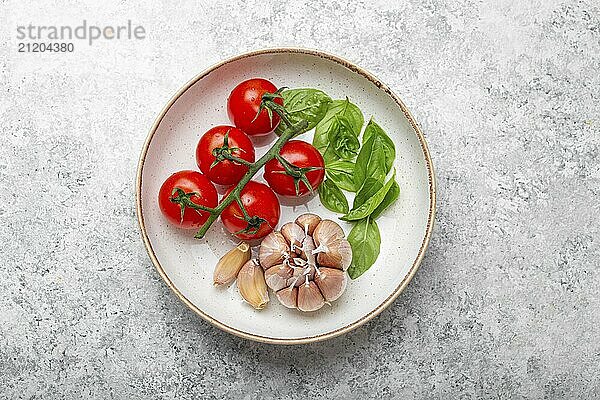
(186, 264)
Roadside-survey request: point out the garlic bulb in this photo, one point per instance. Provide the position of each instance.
(305, 263)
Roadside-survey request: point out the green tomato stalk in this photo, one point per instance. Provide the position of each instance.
(254, 222)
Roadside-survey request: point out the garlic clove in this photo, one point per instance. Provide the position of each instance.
(327, 232)
(230, 264)
(308, 222)
(252, 286)
(309, 297)
(308, 245)
(273, 250)
(277, 276)
(336, 255)
(331, 282)
(299, 275)
(294, 235)
(288, 297)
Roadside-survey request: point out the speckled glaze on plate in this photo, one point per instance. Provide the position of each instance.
(186, 264)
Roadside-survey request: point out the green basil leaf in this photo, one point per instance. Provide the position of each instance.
(337, 108)
(341, 138)
(389, 148)
(329, 156)
(371, 162)
(389, 198)
(332, 197)
(365, 241)
(369, 189)
(341, 173)
(304, 104)
(365, 209)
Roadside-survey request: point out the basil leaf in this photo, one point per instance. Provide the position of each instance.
(339, 108)
(344, 142)
(340, 172)
(304, 104)
(365, 209)
(332, 197)
(329, 156)
(369, 189)
(371, 162)
(389, 148)
(389, 198)
(365, 241)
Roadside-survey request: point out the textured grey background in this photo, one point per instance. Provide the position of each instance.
(506, 302)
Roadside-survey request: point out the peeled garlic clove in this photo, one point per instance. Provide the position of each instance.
(308, 222)
(288, 297)
(327, 232)
(337, 255)
(331, 282)
(230, 264)
(309, 297)
(252, 286)
(273, 250)
(277, 276)
(293, 234)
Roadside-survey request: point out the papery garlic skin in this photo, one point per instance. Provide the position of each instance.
(277, 276)
(273, 250)
(288, 297)
(308, 246)
(331, 282)
(327, 231)
(252, 286)
(294, 235)
(308, 222)
(310, 297)
(336, 255)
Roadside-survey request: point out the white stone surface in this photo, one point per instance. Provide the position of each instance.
(506, 302)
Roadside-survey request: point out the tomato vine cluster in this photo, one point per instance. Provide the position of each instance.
(226, 157)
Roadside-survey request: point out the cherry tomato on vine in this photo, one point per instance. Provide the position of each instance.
(262, 207)
(213, 144)
(244, 103)
(186, 188)
(307, 161)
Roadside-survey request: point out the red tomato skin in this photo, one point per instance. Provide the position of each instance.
(188, 181)
(259, 200)
(300, 154)
(244, 102)
(226, 172)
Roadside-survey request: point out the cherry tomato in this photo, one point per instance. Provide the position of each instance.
(243, 105)
(259, 201)
(225, 172)
(178, 189)
(302, 155)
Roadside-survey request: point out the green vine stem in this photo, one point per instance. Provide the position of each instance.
(290, 132)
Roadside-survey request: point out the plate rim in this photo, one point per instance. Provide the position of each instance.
(430, 218)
